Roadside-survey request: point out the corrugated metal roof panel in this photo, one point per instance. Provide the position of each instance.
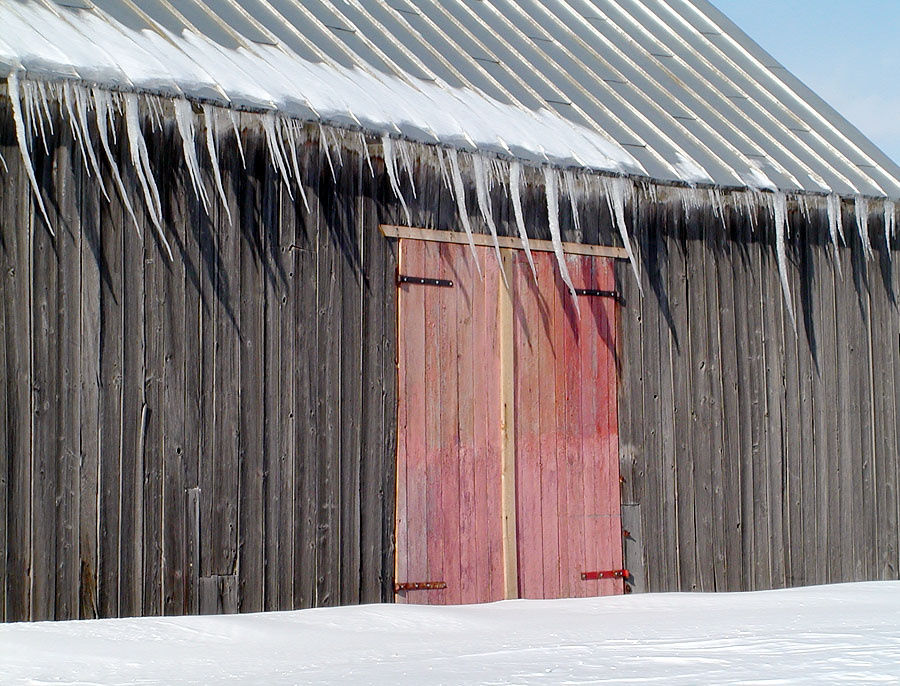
(669, 89)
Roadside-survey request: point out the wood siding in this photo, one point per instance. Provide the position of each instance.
(761, 456)
(214, 432)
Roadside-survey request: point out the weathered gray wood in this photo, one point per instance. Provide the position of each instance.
(67, 346)
(634, 547)
(307, 410)
(45, 429)
(251, 544)
(90, 393)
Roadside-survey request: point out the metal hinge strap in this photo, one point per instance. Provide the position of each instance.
(420, 586)
(610, 574)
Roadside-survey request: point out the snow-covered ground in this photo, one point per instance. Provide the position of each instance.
(824, 635)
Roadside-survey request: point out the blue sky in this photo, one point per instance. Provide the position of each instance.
(848, 51)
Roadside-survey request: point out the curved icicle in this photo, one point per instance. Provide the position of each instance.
(515, 189)
(615, 198)
(487, 211)
(292, 134)
(209, 117)
(780, 211)
(390, 162)
(81, 107)
(569, 178)
(460, 192)
(273, 142)
(184, 122)
(140, 158)
(551, 186)
(12, 82)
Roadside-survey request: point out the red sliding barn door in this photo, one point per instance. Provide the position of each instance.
(562, 383)
(448, 495)
(567, 463)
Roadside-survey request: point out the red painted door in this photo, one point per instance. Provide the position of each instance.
(449, 495)
(567, 465)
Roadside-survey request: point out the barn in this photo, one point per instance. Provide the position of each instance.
(319, 302)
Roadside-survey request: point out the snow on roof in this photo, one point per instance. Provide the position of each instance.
(668, 90)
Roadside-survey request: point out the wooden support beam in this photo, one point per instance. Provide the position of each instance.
(507, 428)
(392, 231)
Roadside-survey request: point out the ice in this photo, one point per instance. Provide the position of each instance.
(184, 121)
(890, 224)
(445, 175)
(365, 148)
(105, 118)
(551, 185)
(82, 99)
(390, 163)
(140, 158)
(861, 209)
(35, 113)
(212, 137)
(569, 178)
(3, 162)
(237, 134)
(780, 210)
(403, 146)
(484, 204)
(835, 227)
(515, 191)
(12, 83)
(298, 175)
(460, 192)
(273, 142)
(323, 144)
(616, 190)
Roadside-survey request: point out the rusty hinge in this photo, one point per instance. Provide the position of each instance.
(423, 281)
(615, 295)
(611, 574)
(420, 586)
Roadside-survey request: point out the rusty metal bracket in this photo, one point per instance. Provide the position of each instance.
(610, 574)
(423, 281)
(420, 586)
(615, 295)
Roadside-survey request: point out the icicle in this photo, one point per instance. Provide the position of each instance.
(890, 224)
(861, 207)
(81, 108)
(65, 98)
(335, 145)
(140, 158)
(835, 228)
(184, 120)
(780, 210)
(12, 82)
(3, 162)
(212, 137)
(484, 204)
(444, 173)
(407, 162)
(551, 186)
(323, 144)
(297, 175)
(390, 162)
(569, 178)
(515, 190)
(45, 105)
(460, 191)
(275, 152)
(104, 119)
(237, 135)
(365, 147)
(35, 114)
(615, 198)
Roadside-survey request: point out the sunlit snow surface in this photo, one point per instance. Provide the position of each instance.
(822, 635)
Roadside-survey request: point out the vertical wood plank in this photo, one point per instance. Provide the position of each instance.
(507, 347)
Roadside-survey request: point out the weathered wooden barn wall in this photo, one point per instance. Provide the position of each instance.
(760, 458)
(214, 432)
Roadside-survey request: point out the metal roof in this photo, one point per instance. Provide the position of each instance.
(667, 89)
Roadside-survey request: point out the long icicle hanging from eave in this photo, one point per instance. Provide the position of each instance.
(551, 186)
(780, 213)
(487, 211)
(14, 95)
(515, 190)
(615, 196)
(460, 193)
